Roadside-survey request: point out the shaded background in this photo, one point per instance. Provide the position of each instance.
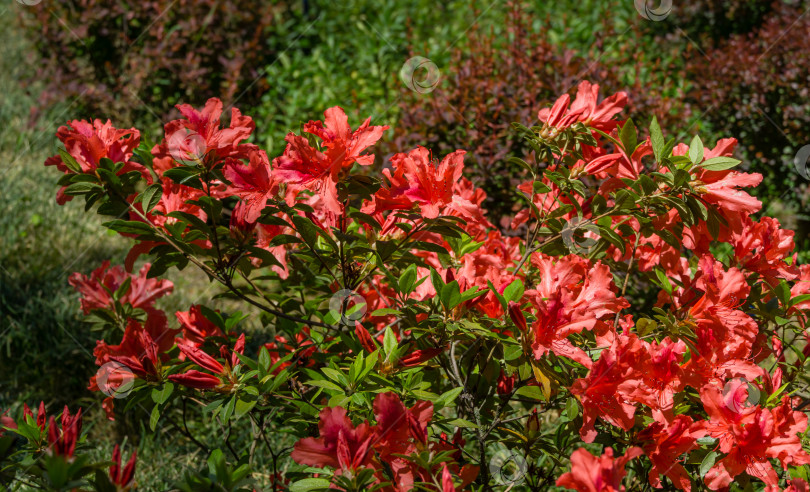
(721, 68)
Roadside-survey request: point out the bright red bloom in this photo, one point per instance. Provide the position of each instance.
(364, 337)
(196, 327)
(661, 378)
(341, 445)
(584, 109)
(253, 183)
(447, 480)
(123, 478)
(62, 442)
(198, 139)
(200, 380)
(88, 143)
(98, 289)
(41, 418)
(432, 185)
(590, 473)
(666, 443)
(6, 422)
(751, 435)
(801, 287)
(572, 296)
(763, 247)
(304, 167)
(600, 392)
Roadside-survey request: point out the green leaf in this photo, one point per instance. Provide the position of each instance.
(450, 295)
(243, 406)
(514, 291)
(696, 150)
(720, 163)
(308, 484)
(629, 136)
(657, 140)
(664, 280)
(151, 196)
(407, 280)
(389, 341)
(448, 397)
(783, 293)
(154, 417)
(707, 463)
(160, 396)
(69, 161)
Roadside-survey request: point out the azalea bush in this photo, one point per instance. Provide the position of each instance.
(636, 326)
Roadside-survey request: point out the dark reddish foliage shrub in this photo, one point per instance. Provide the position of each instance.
(489, 84)
(137, 58)
(754, 87)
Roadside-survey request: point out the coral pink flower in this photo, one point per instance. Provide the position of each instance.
(763, 247)
(304, 167)
(665, 443)
(600, 392)
(88, 143)
(584, 109)
(572, 296)
(98, 289)
(198, 139)
(252, 183)
(432, 185)
(590, 473)
(341, 445)
(750, 436)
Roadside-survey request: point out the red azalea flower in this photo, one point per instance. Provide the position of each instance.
(304, 167)
(341, 445)
(198, 139)
(590, 473)
(665, 443)
(432, 185)
(41, 418)
(88, 143)
(62, 442)
(6, 422)
(253, 183)
(200, 380)
(197, 328)
(584, 109)
(599, 393)
(97, 290)
(750, 435)
(572, 296)
(123, 478)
